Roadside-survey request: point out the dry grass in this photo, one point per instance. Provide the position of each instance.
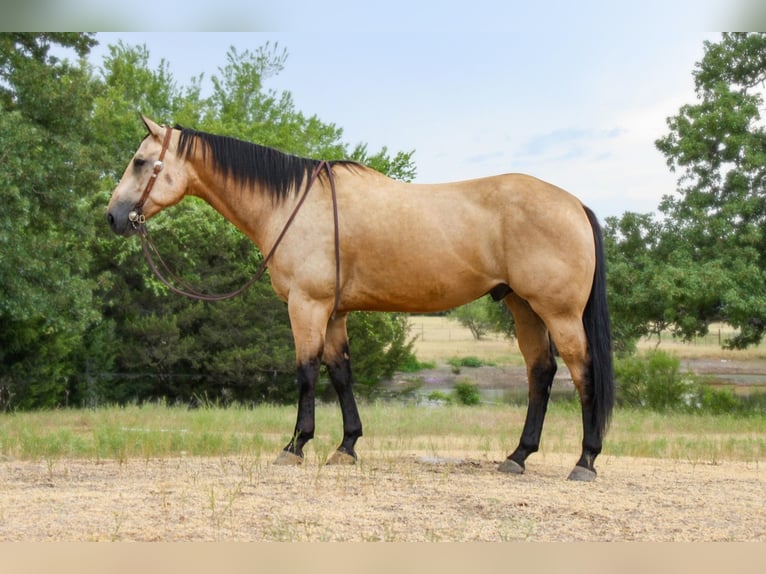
(410, 485)
(425, 474)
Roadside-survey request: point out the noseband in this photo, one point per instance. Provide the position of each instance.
(176, 285)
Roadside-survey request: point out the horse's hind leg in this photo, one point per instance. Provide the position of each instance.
(338, 361)
(571, 343)
(535, 346)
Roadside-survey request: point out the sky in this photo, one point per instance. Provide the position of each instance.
(575, 93)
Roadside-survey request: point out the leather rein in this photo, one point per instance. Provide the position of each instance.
(177, 285)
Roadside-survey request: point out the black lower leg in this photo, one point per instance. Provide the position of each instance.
(308, 374)
(592, 437)
(340, 375)
(540, 382)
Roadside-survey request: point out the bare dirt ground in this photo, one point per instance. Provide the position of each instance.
(413, 497)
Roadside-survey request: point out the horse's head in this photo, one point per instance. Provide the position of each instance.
(154, 179)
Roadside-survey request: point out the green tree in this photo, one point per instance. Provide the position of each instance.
(475, 316)
(713, 236)
(81, 319)
(636, 303)
(46, 161)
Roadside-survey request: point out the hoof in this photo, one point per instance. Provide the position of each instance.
(287, 458)
(582, 474)
(511, 467)
(341, 458)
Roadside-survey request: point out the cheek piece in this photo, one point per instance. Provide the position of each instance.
(136, 217)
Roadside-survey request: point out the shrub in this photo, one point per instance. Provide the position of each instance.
(718, 401)
(439, 397)
(412, 364)
(654, 381)
(467, 393)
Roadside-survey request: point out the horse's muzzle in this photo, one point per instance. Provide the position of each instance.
(120, 222)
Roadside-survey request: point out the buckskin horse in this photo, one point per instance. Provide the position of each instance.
(340, 237)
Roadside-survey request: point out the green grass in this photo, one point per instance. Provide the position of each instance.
(688, 437)
(391, 430)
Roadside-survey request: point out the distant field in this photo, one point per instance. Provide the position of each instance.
(439, 338)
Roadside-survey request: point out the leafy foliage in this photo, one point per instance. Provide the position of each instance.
(484, 316)
(474, 316)
(713, 232)
(45, 161)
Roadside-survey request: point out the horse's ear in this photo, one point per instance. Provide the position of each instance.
(154, 128)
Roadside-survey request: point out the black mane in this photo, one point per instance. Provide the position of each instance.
(278, 173)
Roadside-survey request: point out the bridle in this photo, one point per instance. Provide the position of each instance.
(136, 216)
(177, 285)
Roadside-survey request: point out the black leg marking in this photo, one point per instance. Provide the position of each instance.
(308, 373)
(342, 381)
(592, 435)
(540, 382)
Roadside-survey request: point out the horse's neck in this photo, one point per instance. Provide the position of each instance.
(248, 209)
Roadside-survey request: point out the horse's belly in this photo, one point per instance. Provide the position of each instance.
(413, 291)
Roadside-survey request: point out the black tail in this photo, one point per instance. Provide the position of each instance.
(598, 331)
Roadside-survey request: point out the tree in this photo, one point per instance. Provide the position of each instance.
(636, 306)
(475, 317)
(713, 234)
(46, 160)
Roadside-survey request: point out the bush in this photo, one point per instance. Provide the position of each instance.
(654, 381)
(474, 316)
(467, 393)
(440, 397)
(718, 401)
(412, 364)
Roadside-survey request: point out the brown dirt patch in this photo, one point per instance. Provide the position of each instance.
(408, 498)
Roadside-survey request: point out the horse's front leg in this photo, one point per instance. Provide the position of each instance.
(338, 361)
(309, 323)
(308, 373)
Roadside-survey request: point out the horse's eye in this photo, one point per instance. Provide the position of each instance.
(139, 162)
